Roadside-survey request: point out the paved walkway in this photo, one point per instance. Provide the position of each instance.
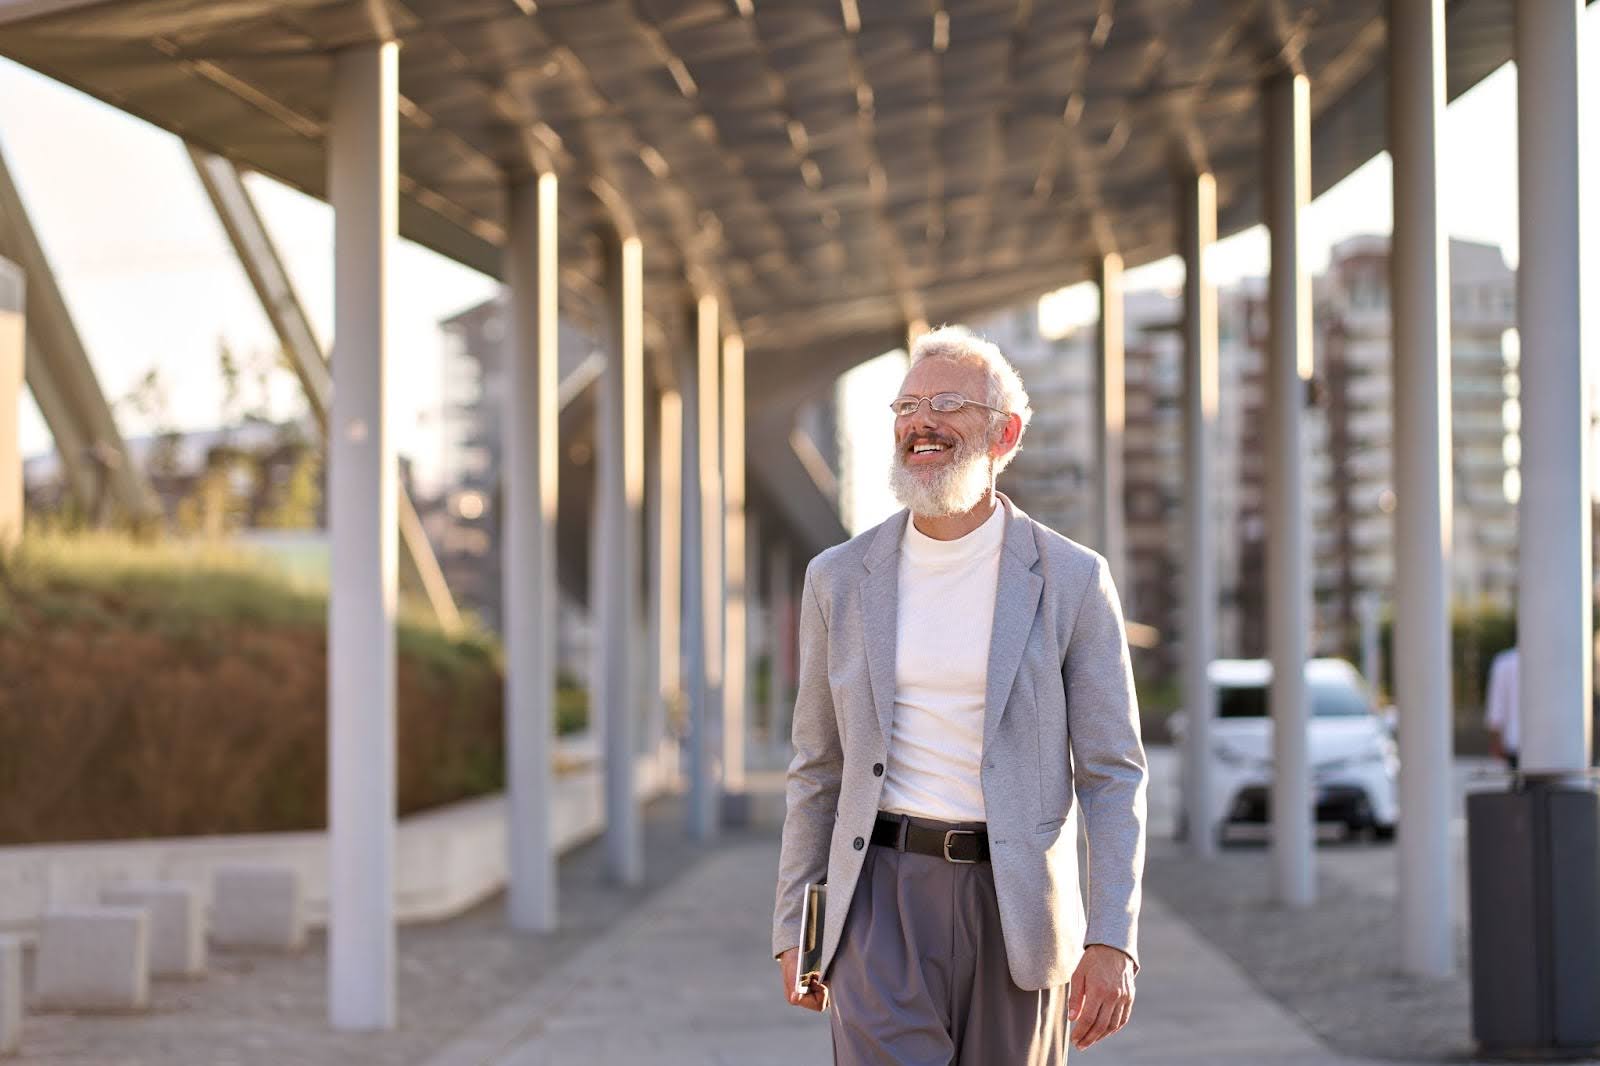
(686, 981)
(677, 972)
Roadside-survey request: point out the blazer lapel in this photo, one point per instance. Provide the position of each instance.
(880, 611)
(1016, 601)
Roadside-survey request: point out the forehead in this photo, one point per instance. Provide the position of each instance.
(946, 375)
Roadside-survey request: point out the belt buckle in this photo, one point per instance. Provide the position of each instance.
(948, 833)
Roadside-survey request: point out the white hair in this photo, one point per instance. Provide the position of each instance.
(960, 345)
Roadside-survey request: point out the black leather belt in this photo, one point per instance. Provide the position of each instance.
(952, 845)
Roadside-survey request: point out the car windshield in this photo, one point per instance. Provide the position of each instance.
(1329, 699)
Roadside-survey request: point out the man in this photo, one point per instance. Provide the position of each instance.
(1501, 707)
(965, 690)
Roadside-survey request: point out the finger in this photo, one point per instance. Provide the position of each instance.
(816, 997)
(1090, 1022)
(1115, 1016)
(1075, 994)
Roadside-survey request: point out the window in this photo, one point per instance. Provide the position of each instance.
(1329, 699)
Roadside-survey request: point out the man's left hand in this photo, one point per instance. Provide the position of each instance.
(1100, 997)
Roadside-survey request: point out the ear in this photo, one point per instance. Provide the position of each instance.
(1009, 434)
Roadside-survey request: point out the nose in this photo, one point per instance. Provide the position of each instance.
(922, 417)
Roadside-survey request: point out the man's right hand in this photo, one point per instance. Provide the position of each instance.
(816, 999)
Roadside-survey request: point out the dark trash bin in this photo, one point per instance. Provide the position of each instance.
(1533, 858)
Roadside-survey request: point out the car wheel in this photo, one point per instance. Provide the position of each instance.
(1383, 832)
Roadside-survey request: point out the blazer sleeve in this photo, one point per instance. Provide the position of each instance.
(1108, 763)
(812, 793)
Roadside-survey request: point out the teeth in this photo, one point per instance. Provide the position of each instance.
(924, 448)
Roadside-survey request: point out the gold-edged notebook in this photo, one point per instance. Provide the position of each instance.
(811, 912)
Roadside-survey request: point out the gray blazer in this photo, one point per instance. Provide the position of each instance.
(1060, 734)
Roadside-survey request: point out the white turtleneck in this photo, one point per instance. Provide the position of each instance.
(946, 616)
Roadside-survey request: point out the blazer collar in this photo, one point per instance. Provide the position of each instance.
(891, 534)
(1016, 602)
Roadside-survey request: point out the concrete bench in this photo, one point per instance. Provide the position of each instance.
(177, 924)
(257, 908)
(10, 994)
(94, 958)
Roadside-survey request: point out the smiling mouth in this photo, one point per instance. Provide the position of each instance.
(924, 449)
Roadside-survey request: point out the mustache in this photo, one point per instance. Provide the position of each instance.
(911, 440)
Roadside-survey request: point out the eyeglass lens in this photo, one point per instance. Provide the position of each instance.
(944, 403)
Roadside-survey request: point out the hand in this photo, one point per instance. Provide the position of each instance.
(816, 999)
(1100, 998)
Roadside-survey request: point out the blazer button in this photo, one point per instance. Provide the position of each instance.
(859, 844)
(877, 769)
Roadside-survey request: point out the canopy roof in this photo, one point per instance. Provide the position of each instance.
(833, 169)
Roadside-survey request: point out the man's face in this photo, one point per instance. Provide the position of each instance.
(942, 462)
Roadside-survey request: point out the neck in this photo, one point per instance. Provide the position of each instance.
(956, 526)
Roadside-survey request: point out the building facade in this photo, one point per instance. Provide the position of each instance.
(1349, 445)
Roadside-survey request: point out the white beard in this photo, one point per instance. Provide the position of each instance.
(952, 490)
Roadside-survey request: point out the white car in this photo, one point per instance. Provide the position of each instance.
(1355, 763)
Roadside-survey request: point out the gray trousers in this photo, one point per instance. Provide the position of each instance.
(920, 975)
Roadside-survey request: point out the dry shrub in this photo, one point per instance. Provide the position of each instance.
(135, 705)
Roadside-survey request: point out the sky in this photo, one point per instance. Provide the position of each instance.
(152, 282)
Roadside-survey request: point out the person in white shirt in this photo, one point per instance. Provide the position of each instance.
(1501, 712)
(966, 697)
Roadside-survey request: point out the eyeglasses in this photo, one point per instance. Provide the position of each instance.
(946, 403)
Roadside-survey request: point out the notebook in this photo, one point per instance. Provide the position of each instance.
(811, 912)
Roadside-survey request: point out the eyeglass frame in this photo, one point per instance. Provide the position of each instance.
(894, 405)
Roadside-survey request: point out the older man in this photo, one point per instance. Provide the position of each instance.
(965, 691)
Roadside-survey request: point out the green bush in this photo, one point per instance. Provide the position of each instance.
(161, 688)
(1478, 632)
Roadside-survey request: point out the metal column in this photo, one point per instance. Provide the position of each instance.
(1110, 420)
(1553, 571)
(667, 590)
(1197, 232)
(528, 530)
(1286, 150)
(780, 606)
(62, 377)
(1421, 337)
(362, 483)
(619, 427)
(71, 446)
(735, 702)
(236, 210)
(701, 586)
(12, 345)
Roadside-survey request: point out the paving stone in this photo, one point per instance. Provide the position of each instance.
(177, 924)
(257, 908)
(94, 959)
(10, 994)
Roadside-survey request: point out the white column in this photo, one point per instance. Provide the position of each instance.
(701, 584)
(362, 483)
(12, 345)
(1286, 187)
(1421, 337)
(1554, 612)
(1197, 232)
(779, 634)
(668, 553)
(528, 534)
(1110, 419)
(620, 491)
(735, 701)
(755, 633)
